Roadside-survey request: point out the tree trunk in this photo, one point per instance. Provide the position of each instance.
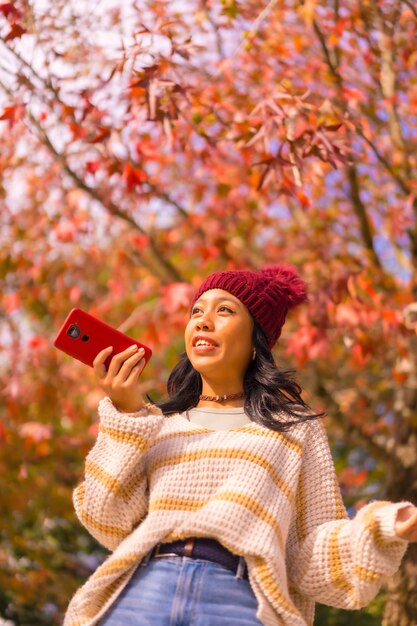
(401, 602)
(401, 593)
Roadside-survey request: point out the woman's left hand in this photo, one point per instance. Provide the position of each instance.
(406, 523)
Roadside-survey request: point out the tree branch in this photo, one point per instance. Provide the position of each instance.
(251, 32)
(360, 210)
(46, 84)
(330, 63)
(219, 43)
(336, 6)
(399, 180)
(359, 207)
(170, 271)
(198, 231)
(388, 82)
(411, 6)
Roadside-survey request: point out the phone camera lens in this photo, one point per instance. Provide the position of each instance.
(73, 331)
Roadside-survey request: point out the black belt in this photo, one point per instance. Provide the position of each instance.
(200, 548)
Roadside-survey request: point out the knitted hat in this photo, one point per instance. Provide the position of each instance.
(268, 294)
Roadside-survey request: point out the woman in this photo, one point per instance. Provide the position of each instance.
(221, 505)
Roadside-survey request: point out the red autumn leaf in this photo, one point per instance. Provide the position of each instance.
(140, 242)
(145, 76)
(15, 32)
(115, 287)
(332, 127)
(23, 471)
(93, 429)
(176, 296)
(92, 166)
(10, 11)
(65, 230)
(102, 134)
(133, 176)
(37, 343)
(35, 431)
(68, 111)
(354, 95)
(137, 92)
(2, 432)
(8, 113)
(79, 132)
(147, 151)
(210, 252)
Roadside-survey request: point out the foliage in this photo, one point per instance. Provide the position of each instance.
(143, 147)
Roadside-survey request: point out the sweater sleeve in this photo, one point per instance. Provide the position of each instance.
(113, 497)
(334, 560)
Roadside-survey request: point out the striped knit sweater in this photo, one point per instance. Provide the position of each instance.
(270, 497)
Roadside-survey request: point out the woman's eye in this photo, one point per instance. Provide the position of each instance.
(225, 308)
(195, 310)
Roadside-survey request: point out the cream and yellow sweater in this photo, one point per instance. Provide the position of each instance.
(270, 497)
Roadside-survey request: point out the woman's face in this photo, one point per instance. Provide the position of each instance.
(218, 336)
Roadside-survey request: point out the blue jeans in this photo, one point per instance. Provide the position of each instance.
(181, 591)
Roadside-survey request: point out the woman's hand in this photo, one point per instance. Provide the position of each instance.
(406, 523)
(121, 381)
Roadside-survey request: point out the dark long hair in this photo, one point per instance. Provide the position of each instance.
(272, 396)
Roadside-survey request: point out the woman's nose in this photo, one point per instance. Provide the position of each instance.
(204, 322)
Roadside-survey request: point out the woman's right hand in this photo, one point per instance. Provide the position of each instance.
(121, 381)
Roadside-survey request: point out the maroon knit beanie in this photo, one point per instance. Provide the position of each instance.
(268, 293)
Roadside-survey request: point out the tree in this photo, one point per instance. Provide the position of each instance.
(145, 146)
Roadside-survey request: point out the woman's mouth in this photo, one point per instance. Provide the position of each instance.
(203, 347)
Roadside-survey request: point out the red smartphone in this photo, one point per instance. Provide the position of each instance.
(83, 336)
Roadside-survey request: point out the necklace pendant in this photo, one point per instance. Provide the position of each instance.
(218, 398)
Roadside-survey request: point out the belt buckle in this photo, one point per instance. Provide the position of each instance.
(156, 554)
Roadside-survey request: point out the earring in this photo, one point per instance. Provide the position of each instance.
(253, 354)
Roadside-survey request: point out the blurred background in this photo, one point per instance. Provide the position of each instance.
(146, 144)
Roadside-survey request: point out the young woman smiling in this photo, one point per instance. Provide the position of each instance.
(220, 505)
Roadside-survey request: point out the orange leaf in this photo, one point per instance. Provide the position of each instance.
(13, 114)
(358, 355)
(352, 477)
(75, 294)
(304, 200)
(11, 302)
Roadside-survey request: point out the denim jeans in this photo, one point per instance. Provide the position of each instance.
(181, 591)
